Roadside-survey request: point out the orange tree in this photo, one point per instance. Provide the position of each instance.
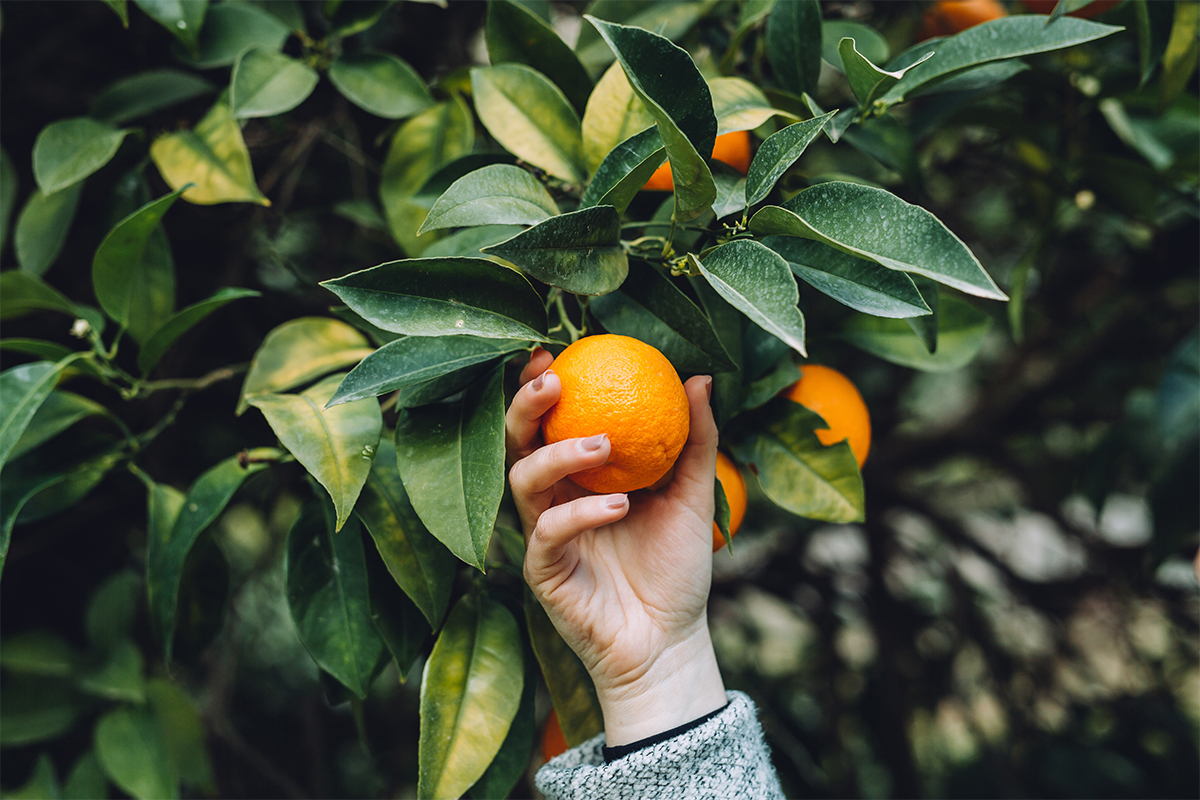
(267, 282)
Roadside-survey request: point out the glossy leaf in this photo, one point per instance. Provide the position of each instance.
(873, 223)
(183, 734)
(213, 158)
(778, 153)
(329, 597)
(470, 692)
(266, 83)
(867, 81)
(793, 39)
(69, 150)
(514, 33)
(230, 29)
(59, 411)
(649, 307)
(961, 331)
(471, 241)
(183, 18)
(129, 747)
(579, 251)
(530, 117)
(173, 530)
(614, 114)
(795, 470)
(183, 321)
(867, 41)
(739, 105)
(926, 325)
(401, 626)
(624, 171)
(414, 360)
(336, 445)
(134, 279)
(380, 83)
(418, 563)
(119, 676)
(499, 194)
(571, 689)
(42, 227)
(731, 190)
(671, 19)
(23, 390)
(299, 351)
(451, 459)
(860, 284)
(757, 282)
(671, 87)
(149, 91)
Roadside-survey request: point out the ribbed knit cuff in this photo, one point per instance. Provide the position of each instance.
(611, 754)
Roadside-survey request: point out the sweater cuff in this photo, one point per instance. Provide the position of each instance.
(611, 754)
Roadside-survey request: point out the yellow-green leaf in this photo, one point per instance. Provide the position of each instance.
(213, 158)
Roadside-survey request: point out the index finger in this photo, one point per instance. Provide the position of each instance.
(539, 391)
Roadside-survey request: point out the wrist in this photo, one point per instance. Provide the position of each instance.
(681, 684)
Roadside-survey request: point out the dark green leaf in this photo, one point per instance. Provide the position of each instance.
(398, 621)
(69, 150)
(731, 190)
(183, 18)
(350, 18)
(867, 40)
(60, 411)
(867, 81)
(777, 155)
(669, 18)
(580, 251)
(451, 459)
(624, 171)
(762, 390)
(42, 783)
(961, 331)
(119, 676)
(571, 689)
(329, 597)
(36, 709)
(121, 9)
(38, 652)
(150, 91)
(470, 692)
(42, 227)
(231, 28)
(1179, 393)
(514, 33)
(130, 748)
(380, 83)
(266, 83)
(757, 282)
(183, 321)
(926, 325)
(110, 613)
(22, 293)
(860, 284)
(86, 780)
(499, 194)
(23, 390)
(471, 241)
(183, 733)
(793, 40)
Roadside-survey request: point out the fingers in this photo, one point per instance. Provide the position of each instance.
(522, 421)
(696, 467)
(547, 553)
(534, 476)
(539, 361)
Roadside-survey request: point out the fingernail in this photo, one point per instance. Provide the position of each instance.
(708, 387)
(539, 381)
(594, 443)
(615, 501)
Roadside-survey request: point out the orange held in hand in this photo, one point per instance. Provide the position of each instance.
(734, 486)
(627, 389)
(730, 148)
(832, 395)
(948, 17)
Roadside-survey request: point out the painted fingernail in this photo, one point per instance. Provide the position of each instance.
(708, 387)
(594, 443)
(539, 381)
(615, 501)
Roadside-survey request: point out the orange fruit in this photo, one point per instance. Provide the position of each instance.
(832, 395)
(1087, 12)
(627, 389)
(553, 741)
(735, 492)
(948, 17)
(730, 148)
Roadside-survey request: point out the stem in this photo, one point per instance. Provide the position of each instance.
(564, 318)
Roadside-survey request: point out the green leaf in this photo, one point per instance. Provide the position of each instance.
(121, 9)
(580, 251)
(414, 360)
(119, 676)
(867, 41)
(133, 278)
(530, 117)
(329, 598)
(445, 296)
(731, 190)
(380, 83)
(739, 105)
(183, 734)
(669, 18)
(69, 150)
(36, 709)
(183, 18)
(23, 390)
(867, 81)
(795, 470)
(451, 459)
(860, 284)
(130, 748)
(624, 171)
(757, 282)
(793, 39)
(926, 325)
(350, 18)
(8, 194)
(499, 194)
(149, 91)
(512, 760)
(266, 83)
(42, 227)
(674, 92)
(398, 621)
(59, 411)
(299, 351)
(649, 307)
(38, 652)
(571, 689)
(417, 562)
(182, 322)
(470, 241)
(873, 223)
(86, 780)
(336, 445)
(42, 783)
(212, 158)
(994, 40)
(470, 693)
(112, 608)
(514, 33)
(1179, 57)
(174, 526)
(961, 331)
(613, 115)
(231, 28)
(777, 155)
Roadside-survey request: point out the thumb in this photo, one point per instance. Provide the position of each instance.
(696, 467)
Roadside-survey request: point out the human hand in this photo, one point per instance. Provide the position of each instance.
(624, 578)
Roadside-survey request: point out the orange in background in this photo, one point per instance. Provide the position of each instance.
(948, 17)
(730, 148)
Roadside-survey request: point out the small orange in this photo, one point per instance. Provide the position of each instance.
(948, 17)
(627, 389)
(1087, 12)
(832, 395)
(730, 148)
(735, 492)
(553, 741)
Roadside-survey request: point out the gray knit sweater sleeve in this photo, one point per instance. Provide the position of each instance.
(726, 756)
